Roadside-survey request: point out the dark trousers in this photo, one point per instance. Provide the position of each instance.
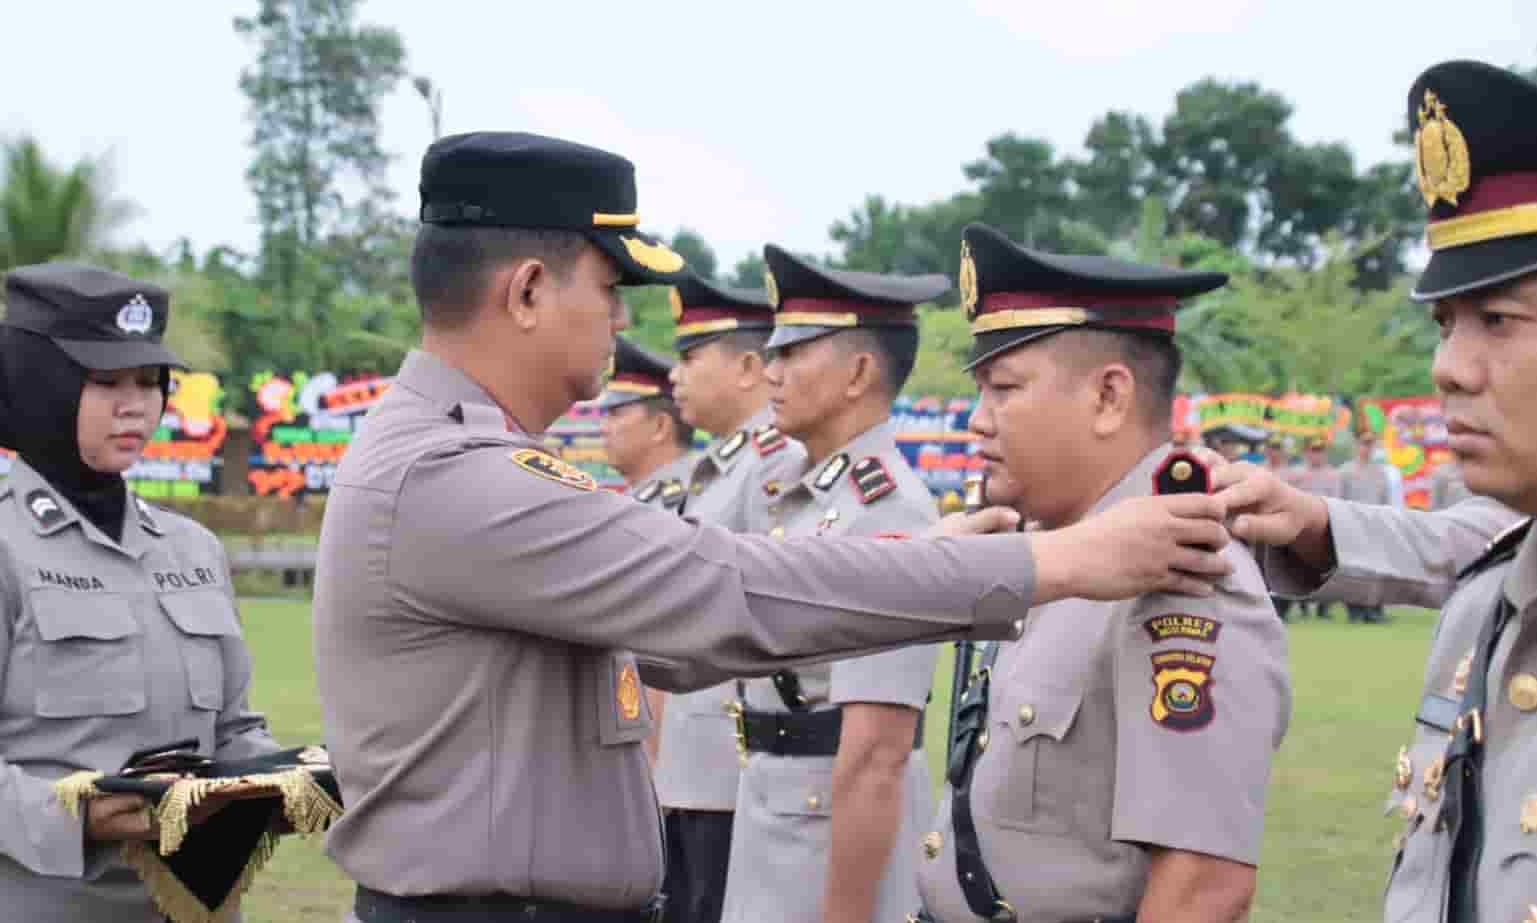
(698, 850)
(1366, 613)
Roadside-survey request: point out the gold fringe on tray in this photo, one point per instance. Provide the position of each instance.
(75, 788)
(172, 897)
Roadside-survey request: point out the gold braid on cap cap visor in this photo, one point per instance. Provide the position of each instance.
(706, 326)
(603, 220)
(815, 319)
(1477, 228)
(1032, 317)
(631, 387)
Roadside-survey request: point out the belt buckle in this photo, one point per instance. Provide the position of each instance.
(738, 713)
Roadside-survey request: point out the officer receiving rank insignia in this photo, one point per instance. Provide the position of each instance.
(1112, 763)
(836, 788)
(644, 436)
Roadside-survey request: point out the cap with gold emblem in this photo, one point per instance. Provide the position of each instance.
(519, 180)
(638, 375)
(811, 302)
(1477, 171)
(101, 319)
(1014, 295)
(705, 311)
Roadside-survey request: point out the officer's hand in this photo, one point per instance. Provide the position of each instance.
(991, 519)
(120, 817)
(1141, 545)
(1266, 510)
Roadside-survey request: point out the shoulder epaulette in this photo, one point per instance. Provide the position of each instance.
(1182, 473)
(1500, 549)
(672, 493)
(733, 445)
(767, 439)
(871, 479)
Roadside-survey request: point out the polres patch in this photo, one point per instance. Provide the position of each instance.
(1179, 625)
(1182, 699)
(551, 468)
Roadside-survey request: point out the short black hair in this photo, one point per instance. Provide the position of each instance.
(1154, 359)
(682, 432)
(894, 347)
(751, 340)
(451, 265)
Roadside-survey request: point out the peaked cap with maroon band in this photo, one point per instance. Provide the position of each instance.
(811, 302)
(638, 375)
(1476, 165)
(704, 311)
(1014, 295)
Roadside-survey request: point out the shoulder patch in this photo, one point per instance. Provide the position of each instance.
(831, 471)
(673, 493)
(1500, 549)
(871, 479)
(733, 445)
(551, 468)
(1178, 625)
(1182, 690)
(648, 493)
(44, 508)
(1182, 473)
(767, 439)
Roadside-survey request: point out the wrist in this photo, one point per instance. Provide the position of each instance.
(1055, 566)
(1314, 545)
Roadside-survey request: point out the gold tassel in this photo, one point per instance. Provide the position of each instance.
(181, 905)
(308, 807)
(75, 788)
(179, 800)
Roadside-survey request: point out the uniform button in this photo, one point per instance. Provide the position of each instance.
(813, 802)
(1026, 715)
(777, 532)
(982, 742)
(1523, 691)
(933, 842)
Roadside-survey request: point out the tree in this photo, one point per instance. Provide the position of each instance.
(48, 212)
(944, 342)
(1023, 189)
(695, 251)
(1118, 174)
(748, 271)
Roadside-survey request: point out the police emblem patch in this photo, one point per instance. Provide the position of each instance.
(552, 469)
(628, 693)
(1182, 698)
(44, 508)
(772, 286)
(1443, 164)
(655, 257)
(135, 316)
(968, 281)
(1177, 625)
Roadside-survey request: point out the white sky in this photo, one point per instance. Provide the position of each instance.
(747, 123)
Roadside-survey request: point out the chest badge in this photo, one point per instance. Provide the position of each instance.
(44, 508)
(628, 693)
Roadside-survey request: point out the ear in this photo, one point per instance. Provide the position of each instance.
(661, 427)
(749, 369)
(526, 289)
(1114, 398)
(864, 374)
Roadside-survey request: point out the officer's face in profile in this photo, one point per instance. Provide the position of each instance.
(118, 412)
(809, 383)
(704, 382)
(1032, 422)
(1486, 371)
(579, 312)
(626, 432)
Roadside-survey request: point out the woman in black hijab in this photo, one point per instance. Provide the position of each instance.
(118, 626)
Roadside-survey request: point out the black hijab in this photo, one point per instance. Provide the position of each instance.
(40, 387)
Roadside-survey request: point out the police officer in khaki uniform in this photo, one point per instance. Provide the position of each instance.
(118, 626)
(719, 386)
(476, 598)
(836, 786)
(1366, 480)
(644, 438)
(1112, 763)
(1469, 806)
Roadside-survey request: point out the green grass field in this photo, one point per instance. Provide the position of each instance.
(1327, 843)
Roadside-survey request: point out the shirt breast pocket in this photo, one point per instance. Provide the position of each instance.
(1019, 783)
(623, 715)
(203, 620)
(91, 659)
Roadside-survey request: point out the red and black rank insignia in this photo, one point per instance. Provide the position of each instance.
(1182, 690)
(552, 469)
(767, 439)
(1178, 625)
(1182, 473)
(871, 480)
(733, 445)
(672, 493)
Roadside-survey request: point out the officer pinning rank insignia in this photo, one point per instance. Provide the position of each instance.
(831, 471)
(1182, 690)
(551, 468)
(871, 480)
(767, 439)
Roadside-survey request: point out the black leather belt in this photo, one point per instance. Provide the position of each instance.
(377, 907)
(806, 733)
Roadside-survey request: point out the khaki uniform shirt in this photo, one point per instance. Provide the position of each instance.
(780, 841)
(475, 600)
(106, 648)
(697, 765)
(667, 486)
(1447, 487)
(1321, 482)
(1366, 483)
(1093, 753)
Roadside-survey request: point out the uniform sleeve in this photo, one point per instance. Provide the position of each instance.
(1202, 700)
(240, 732)
(35, 831)
(900, 677)
(524, 552)
(1389, 556)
